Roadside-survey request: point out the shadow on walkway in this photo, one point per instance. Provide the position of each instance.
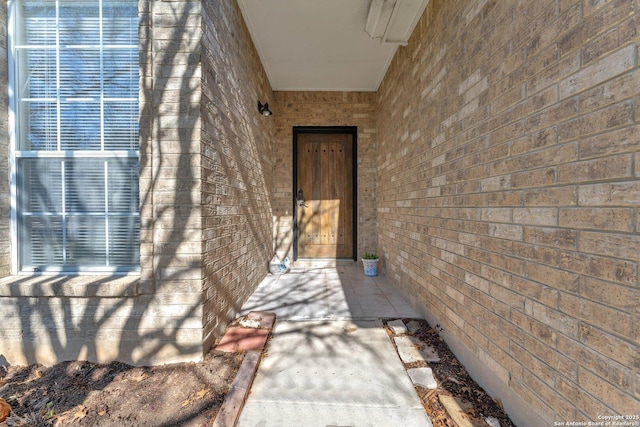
(330, 361)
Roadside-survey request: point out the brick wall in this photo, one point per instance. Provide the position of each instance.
(206, 223)
(323, 109)
(5, 207)
(236, 166)
(170, 181)
(155, 317)
(508, 191)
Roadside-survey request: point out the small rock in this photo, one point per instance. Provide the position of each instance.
(248, 323)
(453, 379)
(397, 326)
(412, 350)
(492, 421)
(429, 354)
(407, 350)
(413, 326)
(423, 377)
(266, 318)
(5, 410)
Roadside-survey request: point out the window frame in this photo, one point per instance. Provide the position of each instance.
(15, 155)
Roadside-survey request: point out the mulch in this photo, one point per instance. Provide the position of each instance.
(453, 380)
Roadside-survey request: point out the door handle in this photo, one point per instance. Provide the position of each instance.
(300, 199)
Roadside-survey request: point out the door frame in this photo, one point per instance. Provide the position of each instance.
(351, 130)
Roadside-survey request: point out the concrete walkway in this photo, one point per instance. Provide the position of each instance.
(330, 362)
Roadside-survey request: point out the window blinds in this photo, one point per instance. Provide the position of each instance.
(77, 134)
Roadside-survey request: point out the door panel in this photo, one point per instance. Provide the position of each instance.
(324, 214)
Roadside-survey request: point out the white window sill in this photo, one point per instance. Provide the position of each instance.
(72, 286)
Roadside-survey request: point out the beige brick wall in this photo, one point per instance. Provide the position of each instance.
(5, 207)
(508, 192)
(155, 317)
(170, 182)
(205, 182)
(236, 166)
(324, 109)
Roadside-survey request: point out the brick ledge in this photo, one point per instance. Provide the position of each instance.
(72, 286)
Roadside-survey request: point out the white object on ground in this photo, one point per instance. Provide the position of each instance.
(423, 377)
(397, 326)
(412, 350)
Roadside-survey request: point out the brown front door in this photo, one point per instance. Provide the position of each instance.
(325, 195)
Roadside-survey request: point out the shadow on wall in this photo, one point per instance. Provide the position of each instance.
(184, 296)
(53, 327)
(237, 168)
(113, 318)
(283, 227)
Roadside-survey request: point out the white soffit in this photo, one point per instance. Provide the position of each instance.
(320, 45)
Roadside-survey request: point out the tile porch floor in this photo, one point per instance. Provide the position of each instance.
(328, 293)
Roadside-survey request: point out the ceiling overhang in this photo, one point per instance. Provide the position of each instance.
(329, 45)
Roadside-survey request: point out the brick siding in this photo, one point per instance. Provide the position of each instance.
(155, 317)
(324, 109)
(236, 166)
(205, 182)
(508, 190)
(5, 207)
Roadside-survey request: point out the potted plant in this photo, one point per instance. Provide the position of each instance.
(370, 263)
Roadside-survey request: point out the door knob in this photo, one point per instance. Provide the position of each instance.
(300, 198)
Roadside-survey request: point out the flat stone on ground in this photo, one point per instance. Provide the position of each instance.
(429, 354)
(492, 421)
(423, 377)
(242, 339)
(407, 351)
(413, 326)
(397, 326)
(412, 350)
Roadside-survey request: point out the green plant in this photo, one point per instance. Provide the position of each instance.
(369, 255)
(49, 412)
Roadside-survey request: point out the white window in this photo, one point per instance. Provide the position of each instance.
(74, 128)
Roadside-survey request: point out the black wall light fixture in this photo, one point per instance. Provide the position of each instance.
(264, 109)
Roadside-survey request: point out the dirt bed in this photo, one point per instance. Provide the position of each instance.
(116, 394)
